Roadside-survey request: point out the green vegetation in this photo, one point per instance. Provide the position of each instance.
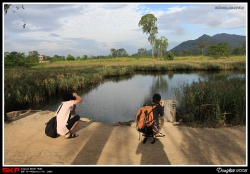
(201, 46)
(222, 49)
(213, 103)
(235, 44)
(148, 25)
(23, 85)
(170, 55)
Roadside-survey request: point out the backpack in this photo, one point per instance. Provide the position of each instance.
(145, 122)
(51, 126)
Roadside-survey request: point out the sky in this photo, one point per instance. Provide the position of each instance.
(93, 29)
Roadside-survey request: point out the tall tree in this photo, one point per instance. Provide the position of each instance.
(148, 24)
(157, 46)
(201, 46)
(113, 52)
(34, 53)
(122, 52)
(142, 52)
(161, 45)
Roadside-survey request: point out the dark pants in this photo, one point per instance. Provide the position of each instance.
(71, 121)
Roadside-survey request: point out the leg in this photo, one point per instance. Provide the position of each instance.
(145, 139)
(161, 122)
(153, 139)
(72, 123)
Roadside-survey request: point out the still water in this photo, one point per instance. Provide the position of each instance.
(118, 99)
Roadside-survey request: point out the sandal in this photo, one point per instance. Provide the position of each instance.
(72, 136)
(159, 135)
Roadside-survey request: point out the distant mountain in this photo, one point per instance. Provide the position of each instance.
(189, 45)
(211, 40)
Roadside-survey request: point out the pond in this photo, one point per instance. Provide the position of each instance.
(117, 99)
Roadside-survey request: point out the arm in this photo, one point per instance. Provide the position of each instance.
(161, 109)
(78, 99)
(73, 111)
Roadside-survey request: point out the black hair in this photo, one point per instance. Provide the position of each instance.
(68, 97)
(156, 98)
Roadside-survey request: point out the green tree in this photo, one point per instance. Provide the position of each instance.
(185, 52)
(142, 52)
(70, 57)
(222, 49)
(170, 55)
(148, 24)
(161, 46)
(241, 49)
(29, 61)
(8, 7)
(113, 52)
(244, 48)
(202, 46)
(157, 46)
(34, 53)
(13, 59)
(122, 52)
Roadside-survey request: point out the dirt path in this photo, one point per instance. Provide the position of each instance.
(98, 144)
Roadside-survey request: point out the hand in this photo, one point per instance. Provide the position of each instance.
(74, 94)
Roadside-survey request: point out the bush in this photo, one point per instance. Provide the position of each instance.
(170, 55)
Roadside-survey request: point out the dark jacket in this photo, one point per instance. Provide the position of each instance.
(157, 111)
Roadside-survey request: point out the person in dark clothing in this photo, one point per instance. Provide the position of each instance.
(158, 113)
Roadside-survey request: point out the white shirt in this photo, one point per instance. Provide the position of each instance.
(62, 117)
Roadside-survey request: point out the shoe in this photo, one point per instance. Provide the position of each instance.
(159, 135)
(162, 134)
(72, 136)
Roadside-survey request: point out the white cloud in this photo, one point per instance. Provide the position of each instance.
(94, 28)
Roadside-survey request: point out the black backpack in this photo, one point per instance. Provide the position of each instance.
(51, 126)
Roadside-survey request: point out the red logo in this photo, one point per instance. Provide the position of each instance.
(10, 170)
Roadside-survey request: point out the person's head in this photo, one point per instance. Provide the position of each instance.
(156, 98)
(68, 97)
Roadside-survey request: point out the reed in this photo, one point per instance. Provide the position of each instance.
(213, 103)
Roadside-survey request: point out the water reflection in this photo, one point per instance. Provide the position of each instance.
(118, 99)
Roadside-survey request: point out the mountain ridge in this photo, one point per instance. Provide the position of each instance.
(231, 39)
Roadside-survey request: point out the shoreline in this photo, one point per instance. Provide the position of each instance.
(16, 115)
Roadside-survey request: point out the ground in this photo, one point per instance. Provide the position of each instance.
(99, 144)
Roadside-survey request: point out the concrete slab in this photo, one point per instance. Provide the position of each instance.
(25, 143)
